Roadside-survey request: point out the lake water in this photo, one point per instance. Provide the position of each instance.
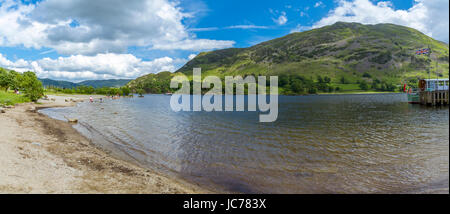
(320, 144)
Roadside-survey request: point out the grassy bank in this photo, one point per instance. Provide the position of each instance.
(10, 98)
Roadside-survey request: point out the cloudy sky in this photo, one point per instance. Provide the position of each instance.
(107, 39)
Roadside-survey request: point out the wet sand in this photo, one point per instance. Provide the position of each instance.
(43, 155)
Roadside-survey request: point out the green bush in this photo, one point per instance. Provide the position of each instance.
(363, 86)
(31, 86)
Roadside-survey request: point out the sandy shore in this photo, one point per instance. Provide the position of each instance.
(42, 155)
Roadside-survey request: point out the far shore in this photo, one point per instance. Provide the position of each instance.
(321, 93)
(361, 92)
(44, 155)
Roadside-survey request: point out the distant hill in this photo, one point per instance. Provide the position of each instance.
(115, 83)
(105, 83)
(58, 83)
(380, 55)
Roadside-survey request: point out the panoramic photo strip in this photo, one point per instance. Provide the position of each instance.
(220, 106)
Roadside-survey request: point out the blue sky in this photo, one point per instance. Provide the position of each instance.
(222, 14)
(78, 40)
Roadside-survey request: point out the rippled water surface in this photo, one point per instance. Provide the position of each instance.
(319, 144)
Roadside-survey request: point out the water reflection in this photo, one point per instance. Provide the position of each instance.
(319, 144)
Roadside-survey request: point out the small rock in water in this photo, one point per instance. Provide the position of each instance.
(71, 120)
(2, 110)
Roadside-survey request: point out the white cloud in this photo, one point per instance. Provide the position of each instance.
(103, 26)
(300, 28)
(282, 19)
(318, 4)
(204, 29)
(95, 36)
(19, 65)
(100, 66)
(247, 27)
(195, 45)
(429, 17)
(192, 56)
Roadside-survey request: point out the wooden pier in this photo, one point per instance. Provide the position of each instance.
(434, 98)
(433, 92)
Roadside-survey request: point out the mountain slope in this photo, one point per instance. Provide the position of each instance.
(344, 53)
(339, 49)
(115, 83)
(153, 83)
(58, 83)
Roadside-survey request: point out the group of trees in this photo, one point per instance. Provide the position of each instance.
(297, 84)
(380, 85)
(122, 91)
(26, 82)
(377, 85)
(290, 84)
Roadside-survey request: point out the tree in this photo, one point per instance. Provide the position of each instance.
(16, 79)
(320, 79)
(10, 79)
(140, 92)
(363, 85)
(374, 85)
(297, 86)
(312, 91)
(284, 80)
(3, 79)
(125, 91)
(367, 75)
(31, 86)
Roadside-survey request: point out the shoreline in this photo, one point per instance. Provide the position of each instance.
(44, 155)
(322, 93)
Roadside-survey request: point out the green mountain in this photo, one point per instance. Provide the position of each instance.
(114, 83)
(339, 56)
(57, 83)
